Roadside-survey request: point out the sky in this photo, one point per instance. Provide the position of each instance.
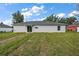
(35, 11)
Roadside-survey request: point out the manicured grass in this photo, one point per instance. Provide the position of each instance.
(8, 35)
(40, 44)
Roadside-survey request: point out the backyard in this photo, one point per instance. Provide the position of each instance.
(39, 44)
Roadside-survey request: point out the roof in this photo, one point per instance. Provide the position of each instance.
(4, 26)
(41, 23)
(76, 24)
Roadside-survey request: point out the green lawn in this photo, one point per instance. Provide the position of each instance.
(39, 44)
(4, 36)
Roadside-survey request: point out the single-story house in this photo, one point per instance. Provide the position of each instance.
(5, 28)
(39, 26)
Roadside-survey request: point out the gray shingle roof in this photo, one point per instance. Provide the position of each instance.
(41, 23)
(4, 26)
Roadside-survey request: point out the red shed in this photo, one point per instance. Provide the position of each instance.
(72, 27)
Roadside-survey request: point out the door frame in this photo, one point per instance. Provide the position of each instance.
(29, 28)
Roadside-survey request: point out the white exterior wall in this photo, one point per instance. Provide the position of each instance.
(20, 29)
(6, 29)
(77, 29)
(48, 29)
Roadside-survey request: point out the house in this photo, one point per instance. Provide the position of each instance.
(5, 28)
(39, 26)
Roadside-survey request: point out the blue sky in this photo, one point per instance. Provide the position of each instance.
(35, 11)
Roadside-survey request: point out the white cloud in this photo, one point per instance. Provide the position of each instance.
(39, 19)
(36, 9)
(27, 13)
(43, 18)
(73, 13)
(32, 11)
(61, 14)
(69, 15)
(7, 22)
(24, 9)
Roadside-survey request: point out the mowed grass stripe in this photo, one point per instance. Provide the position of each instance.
(9, 47)
(4, 36)
(73, 40)
(4, 42)
(44, 44)
(30, 47)
(58, 45)
(19, 50)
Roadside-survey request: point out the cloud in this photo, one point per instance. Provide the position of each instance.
(39, 19)
(69, 15)
(61, 14)
(24, 9)
(7, 22)
(33, 10)
(36, 9)
(26, 14)
(73, 13)
(43, 18)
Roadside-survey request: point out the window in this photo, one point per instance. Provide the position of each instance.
(58, 28)
(36, 27)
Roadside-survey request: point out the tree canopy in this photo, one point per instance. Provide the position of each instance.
(54, 18)
(17, 17)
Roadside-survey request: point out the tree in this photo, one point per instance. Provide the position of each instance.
(17, 17)
(71, 20)
(52, 18)
(62, 20)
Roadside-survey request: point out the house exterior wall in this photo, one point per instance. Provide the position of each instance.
(6, 29)
(48, 29)
(77, 29)
(40, 29)
(20, 29)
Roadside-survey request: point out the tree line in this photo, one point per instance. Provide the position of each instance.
(68, 20)
(18, 17)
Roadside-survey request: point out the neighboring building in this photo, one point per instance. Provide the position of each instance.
(5, 28)
(77, 28)
(39, 26)
(77, 25)
(72, 28)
